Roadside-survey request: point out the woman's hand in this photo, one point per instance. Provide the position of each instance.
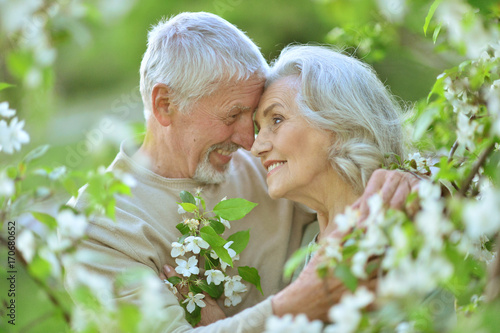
(210, 313)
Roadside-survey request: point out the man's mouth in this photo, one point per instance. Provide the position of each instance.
(225, 152)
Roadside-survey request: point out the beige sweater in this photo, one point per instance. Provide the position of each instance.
(144, 229)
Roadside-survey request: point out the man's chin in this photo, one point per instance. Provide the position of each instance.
(206, 173)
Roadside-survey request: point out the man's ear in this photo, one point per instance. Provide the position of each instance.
(162, 104)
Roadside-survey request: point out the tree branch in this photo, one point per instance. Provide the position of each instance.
(480, 161)
(452, 151)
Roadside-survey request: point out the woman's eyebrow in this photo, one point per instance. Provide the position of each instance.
(265, 113)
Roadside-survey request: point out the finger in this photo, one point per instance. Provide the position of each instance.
(408, 183)
(162, 276)
(373, 186)
(390, 187)
(399, 198)
(170, 271)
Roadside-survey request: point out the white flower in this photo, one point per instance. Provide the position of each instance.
(225, 223)
(358, 264)
(191, 223)
(195, 244)
(232, 254)
(186, 268)
(198, 190)
(197, 201)
(346, 315)
(71, 225)
(215, 276)
(177, 250)
(213, 254)
(347, 220)
(374, 240)
(126, 178)
(288, 324)
(180, 210)
(432, 223)
(428, 191)
(232, 300)
(170, 286)
(232, 288)
(12, 136)
(393, 10)
(5, 111)
(405, 327)
(466, 130)
(191, 300)
(420, 162)
(483, 216)
(415, 276)
(333, 248)
(26, 244)
(57, 244)
(57, 173)
(7, 187)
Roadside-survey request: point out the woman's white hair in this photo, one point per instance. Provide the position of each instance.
(341, 94)
(193, 53)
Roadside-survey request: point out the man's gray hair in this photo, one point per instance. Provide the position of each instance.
(343, 95)
(193, 53)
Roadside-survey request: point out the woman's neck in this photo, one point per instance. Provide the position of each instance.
(335, 202)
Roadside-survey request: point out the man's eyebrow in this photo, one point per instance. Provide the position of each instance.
(241, 108)
(266, 112)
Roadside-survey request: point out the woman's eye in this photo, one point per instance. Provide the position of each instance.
(277, 120)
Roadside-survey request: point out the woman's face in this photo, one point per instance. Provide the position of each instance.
(294, 153)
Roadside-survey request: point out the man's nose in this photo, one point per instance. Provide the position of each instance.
(244, 134)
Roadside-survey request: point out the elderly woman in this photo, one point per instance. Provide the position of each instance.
(325, 123)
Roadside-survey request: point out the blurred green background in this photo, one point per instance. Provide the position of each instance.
(96, 76)
(96, 103)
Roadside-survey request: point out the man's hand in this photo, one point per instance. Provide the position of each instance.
(210, 313)
(311, 295)
(394, 187)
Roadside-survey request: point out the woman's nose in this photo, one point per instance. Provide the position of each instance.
(260, 146)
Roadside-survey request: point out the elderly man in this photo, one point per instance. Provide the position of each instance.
(201, 80)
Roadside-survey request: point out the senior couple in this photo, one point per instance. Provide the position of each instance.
(326, 124)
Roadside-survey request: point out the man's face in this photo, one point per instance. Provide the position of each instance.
(215, 128)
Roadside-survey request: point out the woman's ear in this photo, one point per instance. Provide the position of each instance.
(162, 104)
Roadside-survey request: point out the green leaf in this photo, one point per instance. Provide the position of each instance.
(223, 254)
(4, 85)
(436, 33)
(430, 14)
(211, 237)
(184, 229)
(296, 260)
(210, 262)
(195, 289)
(218, 227)
(46, 219)
(188, 207)
(211, 289)
(192, 318)
(70, 186)
(423, 122)
(36, 153)
(187, 197)
(343, 272)
(240, 240)
(251, 275)
(174, 280)
(233, 209)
